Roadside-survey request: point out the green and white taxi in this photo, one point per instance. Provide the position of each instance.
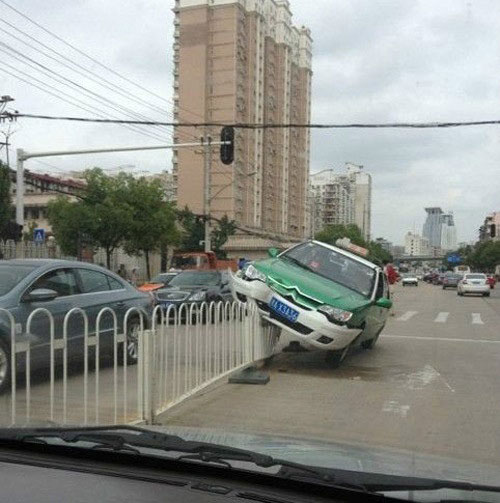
(324, 296)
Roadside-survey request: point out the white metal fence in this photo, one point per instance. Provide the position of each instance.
(115, 371)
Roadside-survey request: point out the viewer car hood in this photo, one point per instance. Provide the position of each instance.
(347, 456)
(311, 284)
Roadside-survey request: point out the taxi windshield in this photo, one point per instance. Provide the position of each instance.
(334, 266)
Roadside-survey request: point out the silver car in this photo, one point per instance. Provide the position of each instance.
(473, 283)
(58, 286)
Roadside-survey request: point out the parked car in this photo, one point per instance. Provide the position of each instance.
(325, 297)
(194, 287)
(473, 283)
(409, 279)
(429, 276)
(491, 280)
(451, 280)
(159, 281)
(58, 286)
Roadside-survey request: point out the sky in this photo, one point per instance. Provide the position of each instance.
(373, 61)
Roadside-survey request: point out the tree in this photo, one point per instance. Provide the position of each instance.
(100, 218)
(193, 230)
(5, 199)
(331, 233)
(152, 224)
(72, 224)
(224, 229)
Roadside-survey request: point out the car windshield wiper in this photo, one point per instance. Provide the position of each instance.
(133, 438)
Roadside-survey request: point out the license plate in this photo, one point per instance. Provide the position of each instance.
(283, 310)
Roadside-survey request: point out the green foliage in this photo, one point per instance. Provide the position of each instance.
(6, 210)
(29, 232)
(72, 224)
(331, 233)
(483, 256)
(152, 219)
(224, 229)
(193, 230)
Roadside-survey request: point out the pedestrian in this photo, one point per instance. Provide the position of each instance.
(122, 272)
(134, 276)
(392, 277)
(241, 263)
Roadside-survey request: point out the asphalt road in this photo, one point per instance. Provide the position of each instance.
(430, 386)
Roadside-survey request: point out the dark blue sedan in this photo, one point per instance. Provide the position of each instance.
(59, 286)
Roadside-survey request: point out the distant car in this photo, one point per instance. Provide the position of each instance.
(473, 283)
(409, 279)
(491, 280)
(428, 277)
(58, 286)
(159, 281)
(194, 287)
(438, 279)
(451, 280)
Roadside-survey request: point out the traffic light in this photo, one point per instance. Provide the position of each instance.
(493, 230)
(227, 150)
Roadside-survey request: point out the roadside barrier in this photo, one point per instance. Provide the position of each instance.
(100, 368)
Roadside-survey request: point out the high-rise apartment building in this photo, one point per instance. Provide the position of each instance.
(490, 230)
(243, 61)
(439, 228)
(342, 198)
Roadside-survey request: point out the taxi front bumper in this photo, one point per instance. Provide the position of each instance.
(311, 328)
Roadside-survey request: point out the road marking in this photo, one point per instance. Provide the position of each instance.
(447, 339)
(441, 318)
(476, 319)
(407, 315)
(396, 408)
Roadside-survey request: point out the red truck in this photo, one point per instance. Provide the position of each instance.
(182, 261)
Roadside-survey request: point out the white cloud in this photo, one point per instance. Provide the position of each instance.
(380, 60)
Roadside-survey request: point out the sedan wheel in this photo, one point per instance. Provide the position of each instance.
(132, 344)
(4, 367)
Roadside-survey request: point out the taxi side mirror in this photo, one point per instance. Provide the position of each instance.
(273, 252)
(384, 302)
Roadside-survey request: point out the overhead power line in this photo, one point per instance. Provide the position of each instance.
(42, 86)
(74, 86)
(246, 125)
(61, 59)
(102, 65)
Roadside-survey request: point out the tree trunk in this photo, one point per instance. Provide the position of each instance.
(148, 272)
(164, 258)
(108, 258)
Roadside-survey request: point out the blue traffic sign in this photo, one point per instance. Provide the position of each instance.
(454, 259)
(39, 235)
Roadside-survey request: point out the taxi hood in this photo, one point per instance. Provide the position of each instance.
(309, 288)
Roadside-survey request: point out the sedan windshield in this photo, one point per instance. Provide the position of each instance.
(476, 276)
(201, 278)
(10, 276)
(334, 266)
(162, 278)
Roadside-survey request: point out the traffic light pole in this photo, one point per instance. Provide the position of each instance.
(23, 156)
(207, 169)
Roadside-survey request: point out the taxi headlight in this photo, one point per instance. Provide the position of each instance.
(335, 315)
(252, 273)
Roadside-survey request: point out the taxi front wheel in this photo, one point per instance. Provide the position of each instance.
(335, 357)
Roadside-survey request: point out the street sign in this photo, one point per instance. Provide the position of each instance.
(39, 235)
(454, 259)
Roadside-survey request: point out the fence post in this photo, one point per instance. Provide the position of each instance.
(150, 370)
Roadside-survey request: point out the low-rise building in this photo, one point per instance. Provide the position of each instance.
(416, 245)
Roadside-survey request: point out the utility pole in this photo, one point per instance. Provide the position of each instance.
(207, 168)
